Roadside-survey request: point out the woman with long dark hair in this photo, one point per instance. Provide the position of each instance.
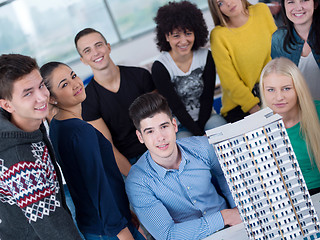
(87, 161)
(299, 39)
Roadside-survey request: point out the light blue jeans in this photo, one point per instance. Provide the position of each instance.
(71, 206)
(214, 121)
(135, 233)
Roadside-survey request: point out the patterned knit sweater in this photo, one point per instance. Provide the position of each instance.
(32, 204)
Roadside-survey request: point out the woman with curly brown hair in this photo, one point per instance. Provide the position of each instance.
(185, 73)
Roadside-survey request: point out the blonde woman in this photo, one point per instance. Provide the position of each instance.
(240, 46)
(284, 90)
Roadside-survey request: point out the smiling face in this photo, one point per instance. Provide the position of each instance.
(280, 94)
(231, 8)
(94, 51)
(67, 87)
(299, 12)
(29, 103)
(158, 133)
(181, 42)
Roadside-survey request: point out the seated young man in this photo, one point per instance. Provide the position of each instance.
(32, 203)
(109, 94)
(170, 186)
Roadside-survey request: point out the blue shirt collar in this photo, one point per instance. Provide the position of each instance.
(161, 171)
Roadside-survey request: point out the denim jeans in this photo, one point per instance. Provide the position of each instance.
(133, 160)
(135, 233)
(214, 121)
(71, 206)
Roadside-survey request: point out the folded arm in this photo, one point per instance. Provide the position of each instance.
(154, 215)
(232, 83)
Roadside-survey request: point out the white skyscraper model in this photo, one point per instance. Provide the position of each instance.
(264, 177)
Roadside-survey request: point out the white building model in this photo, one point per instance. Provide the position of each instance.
(265, 179)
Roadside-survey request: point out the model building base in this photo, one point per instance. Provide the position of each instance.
(264, 177)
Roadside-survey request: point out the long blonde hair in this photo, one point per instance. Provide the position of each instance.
(218, 17)
(310, 126)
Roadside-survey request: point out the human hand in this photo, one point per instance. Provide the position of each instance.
(142, 232)
(125, 234)
(135, 220)
(231, 216)
(255, 108)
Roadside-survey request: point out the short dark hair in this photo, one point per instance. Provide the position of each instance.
(85, 32)
(147, 105)
(12, 68)
(183, 16)
(46, 71)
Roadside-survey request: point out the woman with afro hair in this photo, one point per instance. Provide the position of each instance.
(184, 73)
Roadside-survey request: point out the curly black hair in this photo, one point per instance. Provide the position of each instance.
(183, 16)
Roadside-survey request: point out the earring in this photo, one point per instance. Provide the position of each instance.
(55, 103)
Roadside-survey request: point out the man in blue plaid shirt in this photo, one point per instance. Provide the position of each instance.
(170, 186)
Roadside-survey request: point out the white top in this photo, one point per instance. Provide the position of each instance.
(185, 82)
(311, 72)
